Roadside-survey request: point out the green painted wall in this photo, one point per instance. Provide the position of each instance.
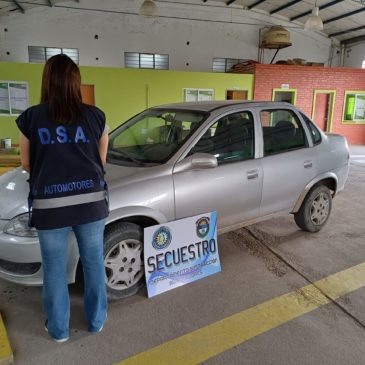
(122, 93)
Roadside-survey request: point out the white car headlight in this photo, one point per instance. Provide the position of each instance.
(18, 226)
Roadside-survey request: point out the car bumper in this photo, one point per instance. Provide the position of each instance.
(342, 175)
(21, 261)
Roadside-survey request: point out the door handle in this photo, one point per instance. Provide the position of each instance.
(253, 174)
(308, 164)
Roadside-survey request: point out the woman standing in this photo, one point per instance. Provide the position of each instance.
(63, 145)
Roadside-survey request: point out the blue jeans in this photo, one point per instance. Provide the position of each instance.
(56, 301)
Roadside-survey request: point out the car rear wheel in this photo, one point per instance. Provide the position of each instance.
(315, 209)
(123, 259)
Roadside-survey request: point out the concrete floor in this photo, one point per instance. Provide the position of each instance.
(259, 263)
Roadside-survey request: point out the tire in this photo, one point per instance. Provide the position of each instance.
(123, 259)
(315, 209)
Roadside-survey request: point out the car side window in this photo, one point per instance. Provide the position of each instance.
(230, 139)
(315, 134)
(282, 131)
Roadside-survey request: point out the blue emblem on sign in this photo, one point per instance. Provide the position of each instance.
(202, 227)
(161, 238)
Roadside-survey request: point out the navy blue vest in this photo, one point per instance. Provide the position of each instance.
(64, 163)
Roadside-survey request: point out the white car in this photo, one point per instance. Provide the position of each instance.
(245, 160)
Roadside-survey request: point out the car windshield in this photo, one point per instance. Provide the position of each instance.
(152, 137)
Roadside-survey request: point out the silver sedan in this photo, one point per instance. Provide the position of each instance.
(245, 160)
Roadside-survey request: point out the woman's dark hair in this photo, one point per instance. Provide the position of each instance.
(61, 83)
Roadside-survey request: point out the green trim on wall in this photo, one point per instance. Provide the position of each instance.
(333, 96)
(122, 93)
(350, 122)
(294, 100)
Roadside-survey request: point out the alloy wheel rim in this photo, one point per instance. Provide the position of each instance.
(320, 209)
(124, 265)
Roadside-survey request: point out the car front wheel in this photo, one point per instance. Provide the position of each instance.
(123, 259)
(315, 209)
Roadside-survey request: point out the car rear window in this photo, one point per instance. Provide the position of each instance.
(315, 134)
(282, 131)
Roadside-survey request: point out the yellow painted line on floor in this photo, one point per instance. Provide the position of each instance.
(6, 354)
(206, 342)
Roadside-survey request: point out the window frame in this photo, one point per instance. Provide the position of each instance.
(45, 48)
(216, 120)
(351, 121)
(138, 117)
(226, 62)
(312, 126)
(187, 91)
(299, 122)
(11, 84)
(141, 54)
(292, 91)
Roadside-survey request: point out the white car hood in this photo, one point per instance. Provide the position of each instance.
(14, 188)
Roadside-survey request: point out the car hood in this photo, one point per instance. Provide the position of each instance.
(13, 193)
(14, 187)
(118, 176)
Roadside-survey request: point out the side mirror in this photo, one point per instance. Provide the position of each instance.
(197, 161)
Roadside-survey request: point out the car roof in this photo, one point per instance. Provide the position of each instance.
(209, 106)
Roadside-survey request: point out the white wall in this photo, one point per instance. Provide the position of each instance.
(213, 31)
(354, 55)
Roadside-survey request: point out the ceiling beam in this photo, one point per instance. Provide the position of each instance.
(353, 40)
(347, 31)
(282, 7)
(19, 6)
(344, 15)
(229, 2)
(331, 3)
(255, 4)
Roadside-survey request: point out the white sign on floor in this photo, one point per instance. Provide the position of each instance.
(180, 252)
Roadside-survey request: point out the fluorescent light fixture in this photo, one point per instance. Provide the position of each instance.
(148, 8)
(314, 22)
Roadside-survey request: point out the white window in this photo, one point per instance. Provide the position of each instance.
(42, 54)
(146, 60)
(13, 97)
(224, 64)
(198, 94)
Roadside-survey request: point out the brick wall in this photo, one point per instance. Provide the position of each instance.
(306, 79)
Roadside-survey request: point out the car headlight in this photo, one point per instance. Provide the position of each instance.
(18, 226)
